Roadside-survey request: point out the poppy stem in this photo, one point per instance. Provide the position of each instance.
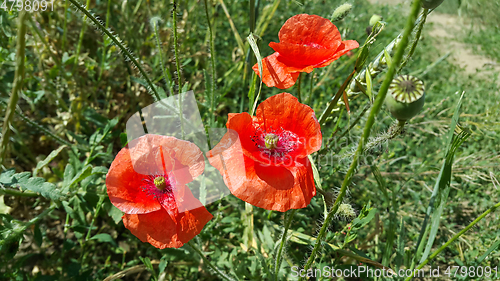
(298, 88)
(208, 262)
(415, 42)
(288, 221)
(366, 132)
(176, 48)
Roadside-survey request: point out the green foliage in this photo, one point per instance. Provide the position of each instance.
(57, 223)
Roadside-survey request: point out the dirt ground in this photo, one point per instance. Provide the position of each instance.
(445, 29)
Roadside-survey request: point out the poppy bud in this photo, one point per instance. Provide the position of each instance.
(431, 4)
(341, 12)
(374, 19)
(405, 97)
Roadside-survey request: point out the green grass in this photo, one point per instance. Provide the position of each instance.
(71, 97)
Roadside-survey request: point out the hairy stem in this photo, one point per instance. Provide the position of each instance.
(126, 52)
(415, 42)
(366, 132)
(288, 221)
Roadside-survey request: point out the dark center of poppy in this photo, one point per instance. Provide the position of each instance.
(158, 186)
(160, 183)
(277, 143)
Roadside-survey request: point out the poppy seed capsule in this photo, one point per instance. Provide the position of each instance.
(431, 4)
(160, 183)
(405, 97)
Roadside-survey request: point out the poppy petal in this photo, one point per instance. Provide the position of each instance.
(285, 111)
(301, 57)
(345, 47)
(275, 73)
(123, 185)
(310, 30)
(150, 155)
(156, 228)
(270, 187)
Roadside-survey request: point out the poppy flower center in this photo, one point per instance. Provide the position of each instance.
(160, 183)
(275, 144)
(158, 186)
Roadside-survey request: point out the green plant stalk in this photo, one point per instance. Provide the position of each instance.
(98, 208)
(212, 58)
(104, 47)
(176, 48)
(366, 132)
(288, 221)
(42, 129)
(415, 42)
(219, 272)
(445, 245)
(18, 84)
(126, 52)
(19, 230)
(13, 192)
(80, 38)
(311, 89)
(166, 74)
(298, 88)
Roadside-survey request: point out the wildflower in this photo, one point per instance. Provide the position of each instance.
(306, 42)
(147, 181)
(264, 158)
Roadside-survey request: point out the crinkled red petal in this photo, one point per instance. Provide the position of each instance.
(150, 155)
(270, 187)
(275, 73)
(158, 228)
(310, 30)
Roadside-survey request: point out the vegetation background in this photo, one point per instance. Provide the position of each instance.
(79, 91)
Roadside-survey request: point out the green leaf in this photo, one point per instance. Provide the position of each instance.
(388, 58)
(380, 181)
(35, 184)
(493, 247)
(104, 238)
(255, 49)
(49, 159)
(442, 186)
(369, 84)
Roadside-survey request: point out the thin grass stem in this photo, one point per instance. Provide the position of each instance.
(218, 271)
(445, 245)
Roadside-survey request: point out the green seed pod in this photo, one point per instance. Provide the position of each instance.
(405, 97)
(341, 12)
(374, 19)
(431, 4)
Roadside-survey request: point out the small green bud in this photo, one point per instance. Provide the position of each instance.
(431, 4)
(374, 19)
(406, 97)
(341, 12)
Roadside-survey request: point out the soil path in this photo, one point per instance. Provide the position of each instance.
(445, 29)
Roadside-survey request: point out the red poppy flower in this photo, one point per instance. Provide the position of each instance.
(147, 183)
(306, 42)
(263, 159)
